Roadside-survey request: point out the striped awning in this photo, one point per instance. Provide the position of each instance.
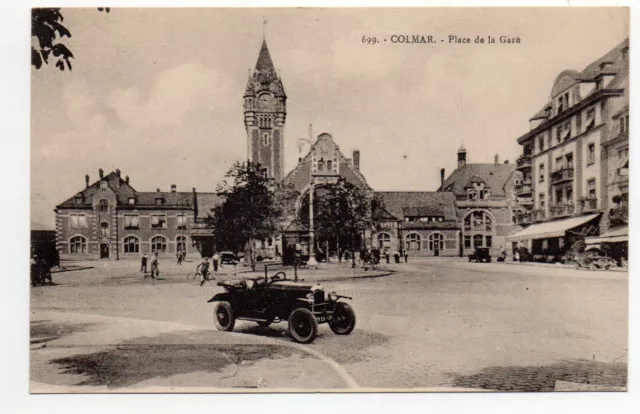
(550, 229)
(617, 235)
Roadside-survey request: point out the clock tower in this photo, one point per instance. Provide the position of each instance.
(265, 111)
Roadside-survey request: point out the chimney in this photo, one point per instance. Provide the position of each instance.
(118, 172)
(101, 173)
(86, 180)
(442, 179)
(157, 190)
(356, 160)
(126, 179)
(195, 203)
(173, 188)
(496, 159)
(118, 180)
(462, 156)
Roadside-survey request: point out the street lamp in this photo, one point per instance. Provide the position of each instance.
(312, 257)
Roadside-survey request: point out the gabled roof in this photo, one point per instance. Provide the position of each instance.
(496, 176)
(264, 63)
(171, 199)
(401, 204)
(119, 186)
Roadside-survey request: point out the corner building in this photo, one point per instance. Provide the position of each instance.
(575, 157)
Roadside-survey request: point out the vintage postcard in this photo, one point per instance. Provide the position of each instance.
(329, 199)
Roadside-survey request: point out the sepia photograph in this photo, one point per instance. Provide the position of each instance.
(295, 200)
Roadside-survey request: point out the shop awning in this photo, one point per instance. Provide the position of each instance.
(549, 229)
(617, 235)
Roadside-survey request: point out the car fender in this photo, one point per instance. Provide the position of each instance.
(220, 297)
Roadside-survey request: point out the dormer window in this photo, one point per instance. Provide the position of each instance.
(562, 102)
(132, 200)
(103, 186)
(159, 201)
(78, 200)
(472, 194)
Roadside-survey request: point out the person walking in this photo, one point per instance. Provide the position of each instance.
(180, 257)
(154, 266)
(386, 255)
(406, 256)
(143, 265)
(216, 262)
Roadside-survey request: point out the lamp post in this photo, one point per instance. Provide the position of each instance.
(312, 257)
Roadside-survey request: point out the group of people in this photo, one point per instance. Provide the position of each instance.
(203, 267)
(374, 255)
(155, 272)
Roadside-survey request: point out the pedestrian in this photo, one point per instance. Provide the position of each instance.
(386, 254)
(143, 264)
(154, 266)
(406, 256)
(396, 256)
(179, 255)
(216, 261)
(516, 257)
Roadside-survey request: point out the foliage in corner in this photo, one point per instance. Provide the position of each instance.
(47, 31)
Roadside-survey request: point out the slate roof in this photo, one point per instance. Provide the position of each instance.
(618, 67)
(119, 186)
(495, 176)
(401, 204)
(206, 202)
(264, 63)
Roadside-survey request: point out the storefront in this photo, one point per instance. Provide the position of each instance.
(614, 242)
(555, 237)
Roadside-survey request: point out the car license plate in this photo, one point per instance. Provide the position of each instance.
(322, 319)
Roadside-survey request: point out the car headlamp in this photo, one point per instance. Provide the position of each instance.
(310, 297)
(333, 296)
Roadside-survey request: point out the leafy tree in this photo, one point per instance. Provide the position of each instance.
(254, 208)
(342, 210)
(46, 32)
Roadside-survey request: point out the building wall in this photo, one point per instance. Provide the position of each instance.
(399, 239)
(117, 233)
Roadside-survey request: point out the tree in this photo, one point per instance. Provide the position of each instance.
(342, 210)
(46, 31)
(254, 208)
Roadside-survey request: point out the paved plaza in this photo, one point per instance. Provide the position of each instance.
(432, 324)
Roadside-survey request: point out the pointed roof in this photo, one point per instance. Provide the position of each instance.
(264, 63)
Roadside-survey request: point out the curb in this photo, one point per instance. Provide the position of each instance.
(561, 266)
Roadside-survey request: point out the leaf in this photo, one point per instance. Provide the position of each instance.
(35, 59)
(61, 50)
(60, 65)
(45, 55)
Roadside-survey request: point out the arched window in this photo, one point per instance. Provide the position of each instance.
(131, 244)
(181, 243)
(329, 166)
(478, 221)
(104, 206)
(78, 245)
(104, 229)
(436, 241)
(384, 240)
(413, 242)
(158, 244)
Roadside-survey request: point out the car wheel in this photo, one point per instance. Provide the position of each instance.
(223, 316)
(344, 319)
(303, 326)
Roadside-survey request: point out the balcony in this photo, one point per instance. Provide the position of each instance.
(560, 210)
(524, 218)
(523, 190)
(523, 162)
(539, 215)
(563, 175)
(587, 205)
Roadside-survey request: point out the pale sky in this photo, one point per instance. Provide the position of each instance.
(157, 93)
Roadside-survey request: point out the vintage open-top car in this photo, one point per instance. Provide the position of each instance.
(268, 300)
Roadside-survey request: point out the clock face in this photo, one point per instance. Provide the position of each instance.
(265, 101)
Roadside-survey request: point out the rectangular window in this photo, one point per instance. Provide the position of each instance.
(623, 124)
(131, 222)
(569, 191)
(541, 143)
(182, 222)
(159, 201)
(559, 196)
(77, 221)
(591, 154)
(579, 123)
(541, 201)
(488, 240)
(591, 189)
(158, 221)
(569, 160)
(467, 242)
(541, 169)
(477, 240)
(591, 118)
